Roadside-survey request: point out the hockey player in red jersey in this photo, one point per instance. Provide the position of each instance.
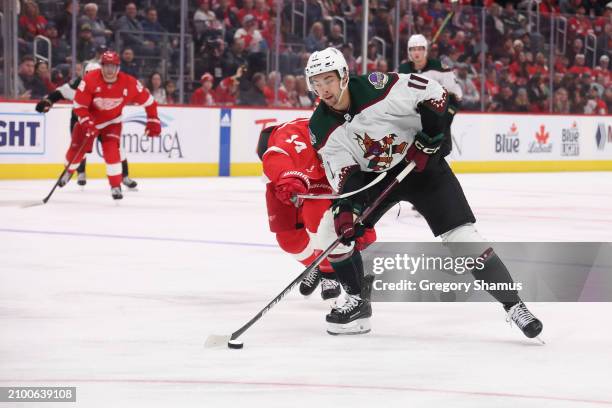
(98, 104)
(293, 167)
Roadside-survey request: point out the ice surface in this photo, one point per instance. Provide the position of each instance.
(117, 300)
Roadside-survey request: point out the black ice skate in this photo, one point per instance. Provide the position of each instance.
(116, 193)
(128, 182)
(310, 282)
(64, 179)
(525, 320)
(330, 288)
(353, 317)
(81, 179)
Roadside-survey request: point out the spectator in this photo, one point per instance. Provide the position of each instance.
(304, 100)
(86, 47)
(203, 96)
(251, 92)
(128, 65)
(205, 21)
(314, 12)
(132, 32)
(261, 13)
(253, 40)
(31, 22)
(226, 15)
(471, 95)
(171, 95)
(64, 21)
(154, 84)
(226, 93)
(60, 51)
(561, 101)
(248, 7)
(234, 58)
(41, 70)
(336, 38)
(151, 25)
(594, 104)
(99, 31)
(29, 86)
(372, 60)
(316, 40)
(289, 87)
(347, 51)
(579, 68)
(521, 102)
(603, 69)
(282, 98)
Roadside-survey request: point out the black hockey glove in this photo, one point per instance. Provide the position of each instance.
(423, 148)
(43, 105)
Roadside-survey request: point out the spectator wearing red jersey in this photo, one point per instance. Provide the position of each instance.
(248, 7)
(261, 13)
(203, 96)
(595, 105)
(603, 69)
(31, 22)
(253, 40)
(579, 68)
(274, 80)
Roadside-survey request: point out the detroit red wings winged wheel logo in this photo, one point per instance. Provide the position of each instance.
(107, 103)
(380, 152)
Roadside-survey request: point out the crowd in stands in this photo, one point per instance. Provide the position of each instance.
(234, 43)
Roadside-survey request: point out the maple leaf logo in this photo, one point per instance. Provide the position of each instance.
(513, 128)
(542, 135)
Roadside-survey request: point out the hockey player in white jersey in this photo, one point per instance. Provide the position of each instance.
(378, 123)
(419, 63)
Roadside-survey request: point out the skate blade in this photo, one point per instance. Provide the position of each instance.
(539, 339)
(217, 340)
(359, 326)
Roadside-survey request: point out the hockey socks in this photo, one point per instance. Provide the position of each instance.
(494, 271)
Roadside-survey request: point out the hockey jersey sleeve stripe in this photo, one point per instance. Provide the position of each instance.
(275, 149)
(149, 101)
(110, 122)
(67, 91)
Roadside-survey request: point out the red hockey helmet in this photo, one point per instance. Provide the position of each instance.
(110, 57)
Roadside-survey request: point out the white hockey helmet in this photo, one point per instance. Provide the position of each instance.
(92, 66)
(417, 40)
(330, 59)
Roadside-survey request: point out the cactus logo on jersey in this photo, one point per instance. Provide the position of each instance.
(22, 133)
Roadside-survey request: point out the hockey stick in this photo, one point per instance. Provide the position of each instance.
(44, 200)
(337, 196)
(215, 340)
(443, 25)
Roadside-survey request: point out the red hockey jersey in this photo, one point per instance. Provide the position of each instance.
(288, 147)
(103, 102)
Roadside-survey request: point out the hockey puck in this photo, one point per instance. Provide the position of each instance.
(235, 344)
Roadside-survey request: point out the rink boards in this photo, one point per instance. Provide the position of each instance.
(221, 142)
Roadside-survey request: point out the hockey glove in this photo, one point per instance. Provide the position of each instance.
(423, 148)
(153, 128)
(344, 222)
(43, 106)
(289, 184)
(89, 128)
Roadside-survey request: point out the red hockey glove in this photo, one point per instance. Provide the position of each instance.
(344, 218)
(289, 184)
(153, 128)
(89, 128)
(423, 148)
(368, 238)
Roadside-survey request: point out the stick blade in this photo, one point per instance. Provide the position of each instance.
(217, 340)
(33, 204)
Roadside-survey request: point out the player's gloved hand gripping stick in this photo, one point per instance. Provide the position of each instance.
(229, 340)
